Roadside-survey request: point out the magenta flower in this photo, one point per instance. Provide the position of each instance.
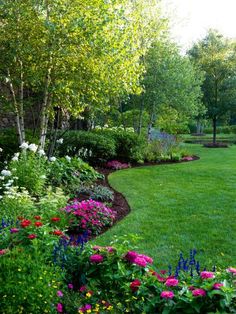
(59, 293)
(207, 275)
(172, 282)
(82, 288)
(167, 295)
(96, 258)
(217, 286)
(59, 308)
(70, 286)
(2, 252)
(140, 261)
(232, 270)
(14, 230)
(130, 256)
(199, 293)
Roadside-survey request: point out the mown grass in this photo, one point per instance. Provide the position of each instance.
(177, 207)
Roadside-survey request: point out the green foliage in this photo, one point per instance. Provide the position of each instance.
(216, 56)
(15, 203)
(96, 192)
(90, 146)
(128, 145)
(28, 285)
(29, 170)
(68, 173)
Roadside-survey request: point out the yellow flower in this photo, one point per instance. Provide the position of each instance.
(110, 307)
(88, 295)
(88, 311)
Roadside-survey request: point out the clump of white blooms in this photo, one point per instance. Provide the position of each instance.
(24, 145)
(60, 141)
(52, 159)
(68, 158)
(33, 147)
(6, 173)
(1, 149)
(41, 152)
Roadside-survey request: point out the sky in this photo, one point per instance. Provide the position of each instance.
(192, 18)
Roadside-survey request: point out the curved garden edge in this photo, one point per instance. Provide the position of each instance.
(120, 204)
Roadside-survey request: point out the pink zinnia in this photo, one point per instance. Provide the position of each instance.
(59, 308)
(199, 293)
(82, 288)
(140, 261)
(32, 236)
(96, 258)
(167, 295)
(130, 256)
(232, 270)
(171, 282)
(207, 275)
(70, 286)
(217, 286)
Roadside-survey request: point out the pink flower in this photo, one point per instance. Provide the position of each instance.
(110, 249)
(140, 261)
(232, 270)
(59, 308)
(59, 293)
(130, 256)
(82, 288)
(2, 252)
(70, 286)
(207, 275)
(217, 286)
(167, 295)
(14, 230)
(171, 282)
(32, 236)
(199, 293)
(96, 258)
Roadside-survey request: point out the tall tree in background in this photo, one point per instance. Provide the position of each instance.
(216, 56)
(73, 54)
(170, 80)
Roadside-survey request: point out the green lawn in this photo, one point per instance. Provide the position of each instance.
(182, 206)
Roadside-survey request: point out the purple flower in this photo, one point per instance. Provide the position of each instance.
(96, 258)
(70, 286)
(59, 308)
(14, 230)
(59, 293)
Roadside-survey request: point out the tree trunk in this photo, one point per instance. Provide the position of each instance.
(141, 116)
(45, 110)
(214, 130)
(21, 107)
(16, 109)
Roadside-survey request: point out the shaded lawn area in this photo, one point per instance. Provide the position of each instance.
(178, 207)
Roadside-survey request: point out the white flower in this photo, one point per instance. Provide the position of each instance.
(1, 149)
(60, 141)
(24, 145)
(15, 158)
(43, 176)
(41, 152)
(68, 158)
(5, 173)
(0, 196)
(33, 147)
(2, 178)
(52, 159)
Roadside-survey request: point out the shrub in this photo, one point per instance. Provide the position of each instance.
(68, 173)
(27, 284)
(97, 192)
(16, 203)
(90, 215)
(129, 145)
(127, 281)
(90, 146)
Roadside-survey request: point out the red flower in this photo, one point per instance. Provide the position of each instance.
(2, 252)
(134, 285)
(58, 233)
(32, 236)
(55, 219)
(37, 217)
(25, 223)
(38, 224)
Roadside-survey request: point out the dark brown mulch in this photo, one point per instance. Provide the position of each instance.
(216, 145)
(119, 204)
